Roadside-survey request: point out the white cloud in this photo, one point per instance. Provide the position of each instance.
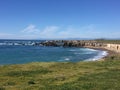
(5, 35)
(56, 32)
(30, 29)
(49, 32)
(59, 32)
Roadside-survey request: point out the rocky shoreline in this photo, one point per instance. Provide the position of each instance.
(67, 43)
(82, 43)
(112, 49)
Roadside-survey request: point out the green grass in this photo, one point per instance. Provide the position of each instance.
(108, 41)
(98, 75)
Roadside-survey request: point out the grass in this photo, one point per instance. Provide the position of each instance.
(108, 41)
(98, 75)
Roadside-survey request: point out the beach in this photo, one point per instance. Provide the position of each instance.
(110, 53)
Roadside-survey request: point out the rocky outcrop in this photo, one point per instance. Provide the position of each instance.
(73, 43)
(113, 47)
(82, 43)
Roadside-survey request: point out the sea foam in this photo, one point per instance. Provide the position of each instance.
(100, 55)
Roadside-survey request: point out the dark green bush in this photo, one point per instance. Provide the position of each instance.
(31, 82)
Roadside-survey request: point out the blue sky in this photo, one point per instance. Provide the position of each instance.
(54, 19)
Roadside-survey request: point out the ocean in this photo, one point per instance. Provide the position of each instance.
(23, 51)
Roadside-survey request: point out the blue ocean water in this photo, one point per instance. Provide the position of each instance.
(19, 54)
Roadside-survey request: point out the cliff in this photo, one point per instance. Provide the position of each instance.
(82, 43)
(113, 47)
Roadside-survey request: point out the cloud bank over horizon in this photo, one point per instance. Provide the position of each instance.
(56, 32)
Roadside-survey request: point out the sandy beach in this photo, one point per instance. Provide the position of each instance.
(111, 53)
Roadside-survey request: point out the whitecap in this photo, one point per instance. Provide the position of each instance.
(66, 59)
(88, 49)
(100, 55)
(72, 50)
(88, 53)
(77, 53)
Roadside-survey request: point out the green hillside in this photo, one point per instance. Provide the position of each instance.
(98, 75)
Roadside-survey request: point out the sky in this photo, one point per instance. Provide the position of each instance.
(59, 19)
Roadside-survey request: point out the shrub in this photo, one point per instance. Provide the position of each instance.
(31, 82)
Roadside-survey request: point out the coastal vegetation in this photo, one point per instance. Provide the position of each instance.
(108, 41)
(97, 75)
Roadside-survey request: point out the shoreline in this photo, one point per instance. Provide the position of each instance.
(110, 53)
(103, 55)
